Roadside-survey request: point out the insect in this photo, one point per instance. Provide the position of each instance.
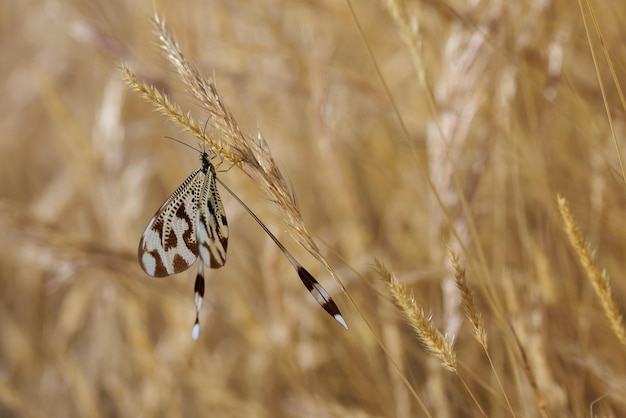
(192, 223)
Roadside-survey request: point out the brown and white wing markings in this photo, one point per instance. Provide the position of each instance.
(199, 296)
(319, 293)
(211, 224)
(192, 222)
(168, 245)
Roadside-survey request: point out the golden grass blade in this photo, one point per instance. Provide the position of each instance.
(422, 324)
(468, 300)
(599, 278)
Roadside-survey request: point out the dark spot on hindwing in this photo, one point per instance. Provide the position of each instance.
(216, 260)
(199, 285)
(312, 285)
(224, 242)
(170, 240)
(307, 279)
(179, 263)
(159, 268)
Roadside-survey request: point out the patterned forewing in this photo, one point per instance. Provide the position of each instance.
(211, 224)
(168, 245)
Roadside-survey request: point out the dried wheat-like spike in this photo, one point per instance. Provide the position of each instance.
(598, 278)
(251, 154)
(227, 140)
(468, 300)
(422, 324)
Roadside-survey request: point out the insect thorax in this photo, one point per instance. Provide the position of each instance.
(206, 162)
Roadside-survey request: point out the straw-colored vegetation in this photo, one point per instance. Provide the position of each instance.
(451, 173)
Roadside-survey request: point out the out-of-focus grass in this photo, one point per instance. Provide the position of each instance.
(501, 110)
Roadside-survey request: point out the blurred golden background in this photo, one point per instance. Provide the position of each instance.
(403, 128)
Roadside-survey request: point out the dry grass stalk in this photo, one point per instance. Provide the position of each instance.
(422, 324)
(474, 316)
(409, 30)
(530, 375)
(251, 155)
(598, 278)
(468, 300)
(75, 196)
(170, 109)
(48, 246)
